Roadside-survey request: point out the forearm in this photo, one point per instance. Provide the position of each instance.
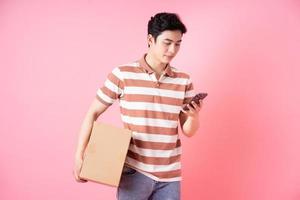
(191, 126)
(84, 134)
(94, 111)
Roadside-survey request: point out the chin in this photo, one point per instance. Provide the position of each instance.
(166, 60)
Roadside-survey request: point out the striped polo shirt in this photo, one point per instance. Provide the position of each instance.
(150, 108)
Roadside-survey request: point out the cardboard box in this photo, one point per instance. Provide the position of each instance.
(105, 154)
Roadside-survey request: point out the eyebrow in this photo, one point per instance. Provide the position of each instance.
(169, 40)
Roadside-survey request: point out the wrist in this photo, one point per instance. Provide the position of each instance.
(194, 117)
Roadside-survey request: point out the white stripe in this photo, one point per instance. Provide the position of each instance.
(153, 168)
(189, 93)
(116, 71)
(110, 85)
(155, 153)
(142, 121)
(150, 106)
(158, 179)
(136, 76)
(154, 91)
(189, 81)
(104, 97)
(135, 64)
(179, 81)
(154, 137)
(145, 76)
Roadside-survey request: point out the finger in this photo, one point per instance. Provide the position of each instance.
(184, 109)
(81, 180)
(195, 105)
(78, 179)
(191, 109)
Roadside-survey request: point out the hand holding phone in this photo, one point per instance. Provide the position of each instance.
(196, 99)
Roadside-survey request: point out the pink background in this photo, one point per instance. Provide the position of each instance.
(245, 54)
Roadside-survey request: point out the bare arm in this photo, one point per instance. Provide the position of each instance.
(95, 110)
(189, 120)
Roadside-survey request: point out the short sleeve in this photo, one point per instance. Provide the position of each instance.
(189, 92)
(112, 88)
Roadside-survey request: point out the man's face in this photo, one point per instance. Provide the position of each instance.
(166, 46)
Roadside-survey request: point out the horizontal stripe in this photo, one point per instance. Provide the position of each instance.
(179, 74)
(155, 153)
(142, 121)
(135, 76)
(114, 88)
(189, 94)
(136, 66)
(154, 161)
(151, 129)
(141, 75)
(115, 80)
(153, 99)
(153, 168)
(177, 81)
(189, 87)
(153, 84)
(116, 71)
(155, 145)
(189, 82)
(154, 91)
(150, 114)
(163, 174)
(109, 93)
(150, 106)
(169, 174)
(102, 101)
(104, 97)
(154, 137)
(131, 65)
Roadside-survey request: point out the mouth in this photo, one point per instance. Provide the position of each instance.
(169, 57)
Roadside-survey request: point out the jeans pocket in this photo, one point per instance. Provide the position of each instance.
(128, 171)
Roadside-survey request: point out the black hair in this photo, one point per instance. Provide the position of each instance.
(165, 21)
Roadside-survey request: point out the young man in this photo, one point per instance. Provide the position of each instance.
(152, 95)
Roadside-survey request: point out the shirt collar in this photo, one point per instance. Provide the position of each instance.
(149, 70)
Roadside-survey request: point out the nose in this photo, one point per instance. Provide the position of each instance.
(173, 49)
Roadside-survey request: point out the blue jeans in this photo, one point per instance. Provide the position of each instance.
(136, 186)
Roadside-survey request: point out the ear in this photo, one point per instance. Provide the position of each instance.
(150, 40)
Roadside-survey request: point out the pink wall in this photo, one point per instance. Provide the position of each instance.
(245, 54)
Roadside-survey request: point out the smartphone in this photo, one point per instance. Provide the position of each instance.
(196, 99)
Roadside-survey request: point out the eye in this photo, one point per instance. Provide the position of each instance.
(167, 43)
(178, 44)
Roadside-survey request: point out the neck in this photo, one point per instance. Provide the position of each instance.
(157, 66)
